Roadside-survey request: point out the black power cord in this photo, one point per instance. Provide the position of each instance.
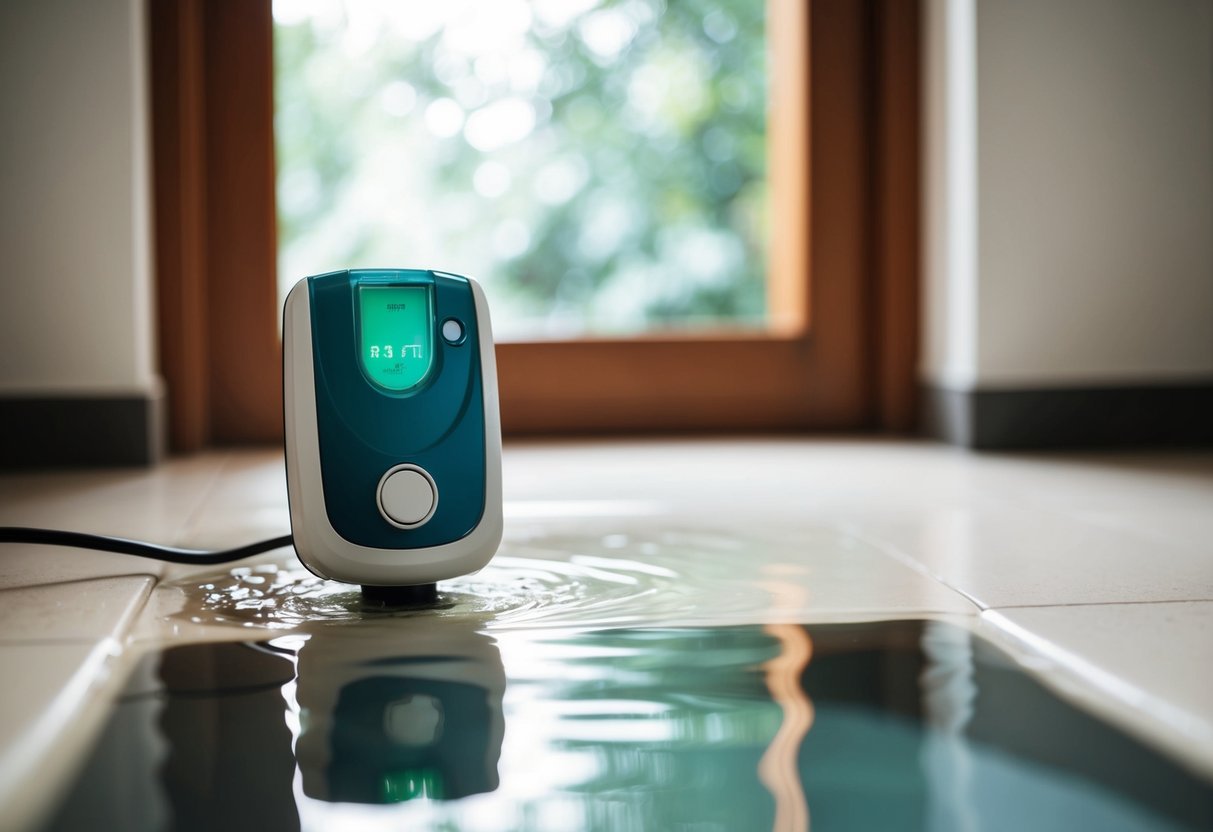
(172, 554)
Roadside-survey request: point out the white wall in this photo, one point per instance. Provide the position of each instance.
(949, 174)
(75, 293)
(1068, 192)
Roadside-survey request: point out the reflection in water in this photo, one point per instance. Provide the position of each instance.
(778, 769)
(639, 729)
(400, 724)
(386, 719)
(949, 691)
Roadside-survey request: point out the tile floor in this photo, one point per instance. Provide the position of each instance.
(1094, 570)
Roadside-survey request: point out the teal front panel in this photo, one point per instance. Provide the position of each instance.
(366, 429)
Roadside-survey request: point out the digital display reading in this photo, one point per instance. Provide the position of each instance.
(397, 335)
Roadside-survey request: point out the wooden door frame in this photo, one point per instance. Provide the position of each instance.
(215, 226)
(841, 353)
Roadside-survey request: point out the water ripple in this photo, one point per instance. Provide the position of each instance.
(611, 580)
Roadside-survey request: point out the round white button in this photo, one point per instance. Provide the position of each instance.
(407, 496)
(452, 330)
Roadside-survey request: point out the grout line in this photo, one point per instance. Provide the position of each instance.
(126, 624)
(1140, 711)
(996, 608)
(58, 732)
(912, 563)
(60, 641)
(43, 584)
(120, 629)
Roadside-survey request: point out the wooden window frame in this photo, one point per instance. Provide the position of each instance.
(841, 350)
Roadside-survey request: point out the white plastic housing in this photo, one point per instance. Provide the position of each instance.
(319, 546)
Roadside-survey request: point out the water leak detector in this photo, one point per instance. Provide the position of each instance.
(393, 437)
(393, 432)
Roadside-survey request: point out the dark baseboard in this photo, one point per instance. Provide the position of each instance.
(80, 431)
(1094, 417)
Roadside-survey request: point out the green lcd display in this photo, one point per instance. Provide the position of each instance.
(397, 335)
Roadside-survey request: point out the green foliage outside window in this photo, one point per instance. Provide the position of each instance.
(600, 166)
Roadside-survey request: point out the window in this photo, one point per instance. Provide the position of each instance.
(599, 166)
(827, 342)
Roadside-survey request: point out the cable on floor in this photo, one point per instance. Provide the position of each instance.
(138, 548)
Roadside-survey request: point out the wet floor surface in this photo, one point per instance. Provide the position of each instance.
(657, 573)
(428, 719)
(647, 650)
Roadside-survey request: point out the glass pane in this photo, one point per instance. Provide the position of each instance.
(599, 166)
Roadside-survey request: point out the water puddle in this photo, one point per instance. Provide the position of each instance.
(392, 725)
(512, 590)
(555, 581)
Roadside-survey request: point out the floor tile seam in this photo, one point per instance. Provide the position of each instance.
(70, 581)
(57, 641)
(116, 637)
(907, 613)
(907, 560)
(126, 624)
(1178, 724)
(89, 681)
(1071, 604)
(1080, 664)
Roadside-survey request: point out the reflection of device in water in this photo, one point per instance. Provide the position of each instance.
(378, 713)
(389, 713)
